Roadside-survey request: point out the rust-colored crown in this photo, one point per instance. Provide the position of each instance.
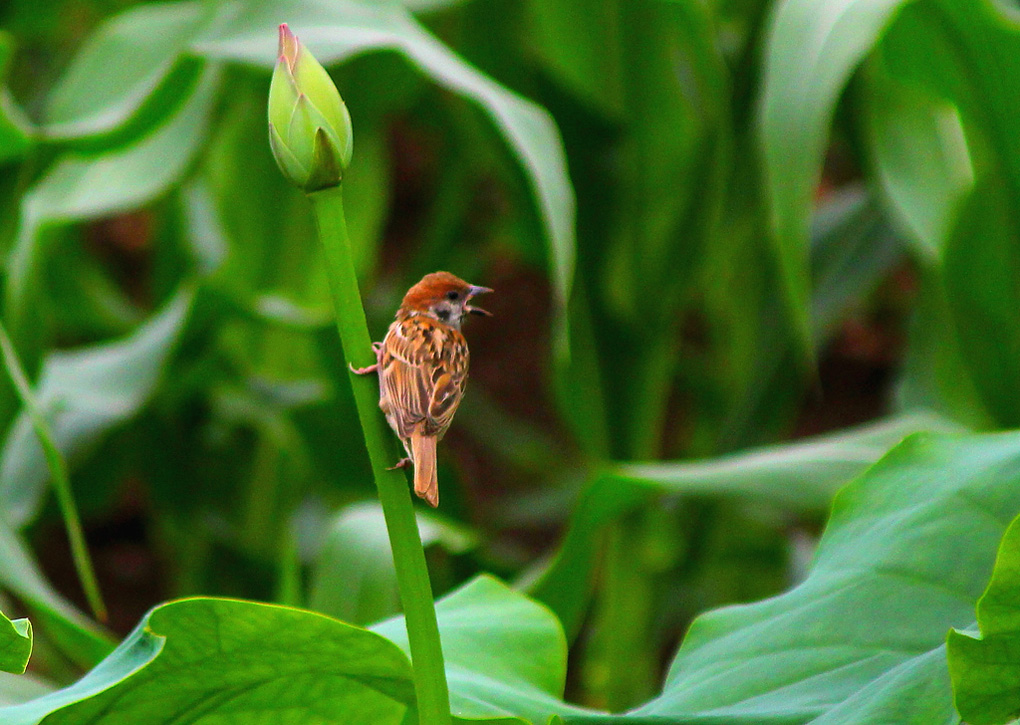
(431, 289)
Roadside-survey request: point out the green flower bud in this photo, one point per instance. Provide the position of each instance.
(309, 126)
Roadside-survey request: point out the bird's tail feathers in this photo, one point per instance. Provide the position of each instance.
(426, 482)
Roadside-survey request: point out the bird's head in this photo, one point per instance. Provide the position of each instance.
(443, 296)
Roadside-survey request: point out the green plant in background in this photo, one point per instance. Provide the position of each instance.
(713, 225)
(58, 470)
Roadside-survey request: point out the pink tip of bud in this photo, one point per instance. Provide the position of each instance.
(288, 46)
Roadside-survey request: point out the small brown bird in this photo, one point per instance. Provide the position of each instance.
(422, 365)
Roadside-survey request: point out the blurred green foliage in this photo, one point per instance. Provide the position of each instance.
(713, 226)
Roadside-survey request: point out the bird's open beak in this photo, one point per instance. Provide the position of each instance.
(476, 290)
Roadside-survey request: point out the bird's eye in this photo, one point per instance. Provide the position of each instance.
(453, 295)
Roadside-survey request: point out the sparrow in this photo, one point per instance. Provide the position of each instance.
(422, 365)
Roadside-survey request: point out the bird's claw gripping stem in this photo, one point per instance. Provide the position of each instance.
(365, 370)
(374, 367)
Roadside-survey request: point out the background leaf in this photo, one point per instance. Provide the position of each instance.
(85, 393)
(128, 77)
(984, 669)
(505, 654)
(86, 188)
(921, 159)
(353, 578)
(813, 48)
(15, 689)
(795, 476)
(15, 644)
(866, 628)
(946, 54)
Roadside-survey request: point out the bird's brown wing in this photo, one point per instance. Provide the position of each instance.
(422, 375)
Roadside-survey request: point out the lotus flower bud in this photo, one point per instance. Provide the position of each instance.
(309, 126)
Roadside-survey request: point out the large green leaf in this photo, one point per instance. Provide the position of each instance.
(803, 475)
(235, 661)
(905, 555)
(85, 393)
(79, 188)
(986, 670)
(353, 578)
(340, 30)
(15, 644)
(232, 661)
(813, 47)
(128, 75)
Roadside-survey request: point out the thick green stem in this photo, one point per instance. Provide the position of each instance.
(394, 495)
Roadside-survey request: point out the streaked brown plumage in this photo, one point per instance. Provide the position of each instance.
(423, 364)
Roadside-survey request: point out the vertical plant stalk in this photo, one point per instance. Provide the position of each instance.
(61, 480)
(625, 652)
(408, 556)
